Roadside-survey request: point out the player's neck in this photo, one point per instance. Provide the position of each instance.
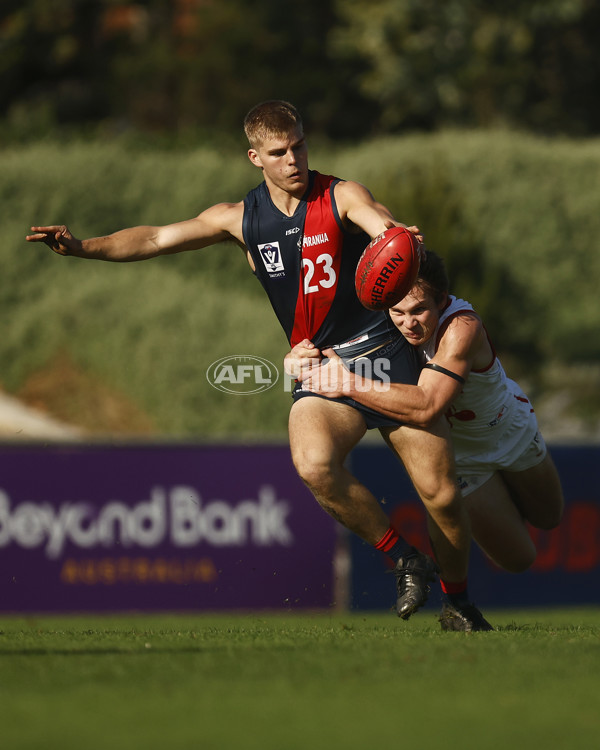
(287, 193)
(285, 201)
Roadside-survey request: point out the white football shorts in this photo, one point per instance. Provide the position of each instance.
(525, 451)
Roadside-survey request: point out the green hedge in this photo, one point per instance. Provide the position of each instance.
(515, 216)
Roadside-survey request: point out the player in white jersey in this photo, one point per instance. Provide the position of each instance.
(493, 424)
(504, 469)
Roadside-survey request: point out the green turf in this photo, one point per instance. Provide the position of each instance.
(298, 681)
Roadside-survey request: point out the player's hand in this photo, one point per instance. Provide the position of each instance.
(329, 379)
(301, 358)
(414, 229)
(58, 238)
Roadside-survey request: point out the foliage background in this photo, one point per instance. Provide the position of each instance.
(507, 211)
(354, 67)
(477, 120)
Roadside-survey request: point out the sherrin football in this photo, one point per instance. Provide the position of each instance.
(387, 269)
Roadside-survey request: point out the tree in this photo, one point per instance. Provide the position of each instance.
(476, 62)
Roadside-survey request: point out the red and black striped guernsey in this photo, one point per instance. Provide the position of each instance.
(306, 264)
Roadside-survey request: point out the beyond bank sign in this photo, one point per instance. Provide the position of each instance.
(178, 515)
(91, 528)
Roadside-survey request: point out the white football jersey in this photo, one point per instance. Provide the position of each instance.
(492, 421)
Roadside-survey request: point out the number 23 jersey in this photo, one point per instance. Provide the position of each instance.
(306, 264)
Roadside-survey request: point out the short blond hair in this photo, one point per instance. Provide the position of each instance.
(270, 119)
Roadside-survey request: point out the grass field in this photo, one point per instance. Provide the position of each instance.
(299, 681)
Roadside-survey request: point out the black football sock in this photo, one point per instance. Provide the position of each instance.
(395, 546)
(455, 593)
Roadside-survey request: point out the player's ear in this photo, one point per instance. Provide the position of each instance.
(443, 301)
(254, 157)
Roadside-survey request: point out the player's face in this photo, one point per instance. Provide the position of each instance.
(284, 161)
(417, 315)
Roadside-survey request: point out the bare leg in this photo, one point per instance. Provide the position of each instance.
(428, 459)
(498, 527)
(322, 433)
(537, 493)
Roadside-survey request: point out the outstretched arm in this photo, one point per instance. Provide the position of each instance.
(359, 209)
(217, 224)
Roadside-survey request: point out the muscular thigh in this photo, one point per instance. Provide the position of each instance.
(498, 527)
(322, 430)
(427, 457)
(538, 493)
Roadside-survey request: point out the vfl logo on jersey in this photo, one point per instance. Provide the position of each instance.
(271, 256)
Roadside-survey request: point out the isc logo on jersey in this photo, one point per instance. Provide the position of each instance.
(271, 255)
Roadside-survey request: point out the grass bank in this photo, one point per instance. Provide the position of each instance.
(515, 217)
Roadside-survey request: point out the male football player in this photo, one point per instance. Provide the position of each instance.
(302, 233)
(504, 469)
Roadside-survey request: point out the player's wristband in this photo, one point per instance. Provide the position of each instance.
(439, 368)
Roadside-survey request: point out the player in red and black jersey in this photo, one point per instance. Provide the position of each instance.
(302, 234)
(307, 267)
(307, 270)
